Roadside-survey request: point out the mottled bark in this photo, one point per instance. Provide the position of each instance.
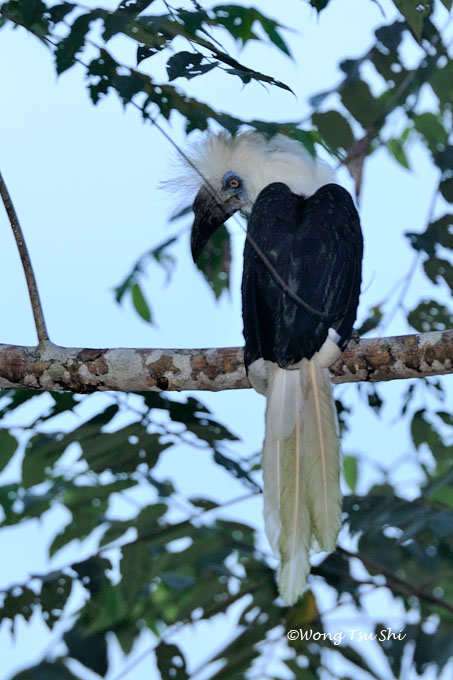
(90, 370)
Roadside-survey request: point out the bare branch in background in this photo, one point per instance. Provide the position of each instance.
(38, 314)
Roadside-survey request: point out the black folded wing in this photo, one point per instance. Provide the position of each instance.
(315, 245)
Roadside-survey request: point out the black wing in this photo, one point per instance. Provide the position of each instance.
(315, 245)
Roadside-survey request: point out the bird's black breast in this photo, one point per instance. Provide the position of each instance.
(314, 246)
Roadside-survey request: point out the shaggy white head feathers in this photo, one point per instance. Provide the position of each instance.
(256, 160)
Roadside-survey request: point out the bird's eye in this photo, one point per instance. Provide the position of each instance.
(234, 183)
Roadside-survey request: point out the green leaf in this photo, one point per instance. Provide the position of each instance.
(140, 304)
(446, 189)
(171, 662)
(391, 36)
(307, 138)
(374, 400)
(446, 417)
(89, 650)
(210, 431)
(439, 232)
(235, 469)
(16, 398)
(53, 597)
(19, 601)
(239, 22)
(444, 159)
(350, 471)
(319, 5)
(441, 80)
(47, 671)
(215, 261)
(32, 11)
(432, 130)
(270, 28)
(126, 12)
(92, 573)
(126, 636)
(203, 503)
(104, 68)
(388, 64)
(160, 255)
(58, 12)
(436, 646)
(437, 268)
(129, 85)
(108, 612)
(372, 321)
(136, 570)
(88, 506)
(41, 453)
(188, 65)
(396, 149)
(8, 447)
(68, 48)
(147, 519)
(342, 412)
(414, 12)
(424, 432)
(429, 315)
(334, 128)
(123, 450)
(77, 496)
(84, 521)
(144, 52)
(240, 653)
(116, 530)
(176, 581)
(44, 449)
(357, 98)
(8, 496)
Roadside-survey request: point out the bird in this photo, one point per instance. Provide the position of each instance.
(300, 292)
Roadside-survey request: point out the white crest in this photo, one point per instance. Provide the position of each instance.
(255, 159)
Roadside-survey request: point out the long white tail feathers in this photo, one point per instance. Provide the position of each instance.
(301, 467)
(283, 403)
(322, 454)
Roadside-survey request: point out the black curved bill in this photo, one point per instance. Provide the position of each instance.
(210, 214)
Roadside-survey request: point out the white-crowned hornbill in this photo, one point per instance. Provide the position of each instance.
(300, 291)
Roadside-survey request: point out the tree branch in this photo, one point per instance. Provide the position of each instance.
(398, 584)
(89, 370)
(38, 314)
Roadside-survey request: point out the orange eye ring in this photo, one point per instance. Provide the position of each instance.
(234, 183)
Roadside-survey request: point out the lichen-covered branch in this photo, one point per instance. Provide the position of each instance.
(89, 370)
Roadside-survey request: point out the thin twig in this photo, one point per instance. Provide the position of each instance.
(413, 268)
(404, 587)
(358, 150)
(405, 287)
(149, 650)
(38, 314)
(146, 535)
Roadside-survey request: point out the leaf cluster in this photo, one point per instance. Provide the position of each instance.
(411, 105)
(170, 573)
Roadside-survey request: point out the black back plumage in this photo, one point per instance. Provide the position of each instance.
(315, 245)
